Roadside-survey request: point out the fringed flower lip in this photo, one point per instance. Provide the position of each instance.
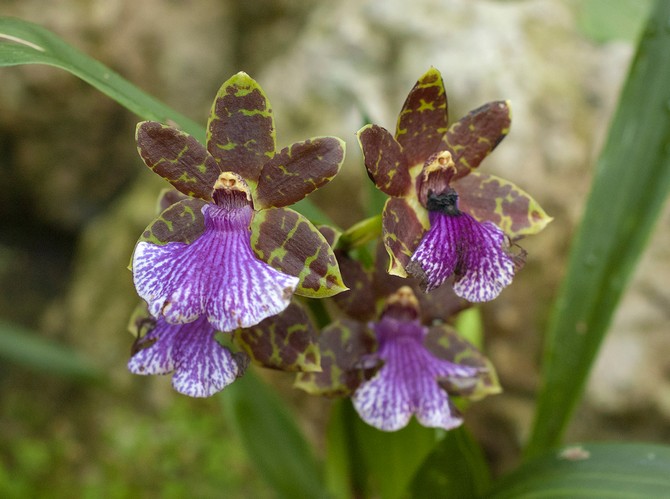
(201, 366)
(398, 366)
(230, 249)
(443, 218)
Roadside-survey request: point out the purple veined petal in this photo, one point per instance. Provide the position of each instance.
(200, 364)
(473, 251)
(407, 383)
(217, 275)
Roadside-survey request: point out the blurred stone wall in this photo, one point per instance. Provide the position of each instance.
(68, 158)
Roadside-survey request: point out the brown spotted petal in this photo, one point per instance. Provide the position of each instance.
(474, 136)
(168, 197)
(445, 343)
(360, 300)
(178, 158)
(182, 222)
(403, 224)
(384, 160)
(423, 119)
(287, 341)
(343, 345)
(289, 242)
(240, 130)
(490, 198)
(297, 170)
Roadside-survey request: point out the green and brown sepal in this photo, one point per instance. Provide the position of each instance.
(178, 158)
(241, 131)
(343, 345)
(445, 343)
(490, 198)
(289, 242)
(287, 341)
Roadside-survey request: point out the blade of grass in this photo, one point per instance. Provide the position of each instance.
(27, 348)
(22, 42)
(630, 186)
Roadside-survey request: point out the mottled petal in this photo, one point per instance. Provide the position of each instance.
(297, 170)
(288, 241)
(474, 136)
(384, 160)
(445, 343)
(241, 131)
(344, 346)
(217, 275)
(178, 158)
(360, 300)
(407, 383)
(286, 341)
(181, 222)
(200, 364)
(490, 198)
(403, 225)
(473, 251)
(423, 119)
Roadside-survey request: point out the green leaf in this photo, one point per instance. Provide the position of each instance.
(286, 341)
(241, 129)
(605, 470)
(273, 441)
(456, 467)
(630, 186)
(603, 22)
(392, 458)
(289, 242)
(297, 170)
(22, 42)
(27, 348)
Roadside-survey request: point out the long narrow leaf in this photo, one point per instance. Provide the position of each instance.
(630, 186)
(455, 468)
(22, 42)
(603, 470)
(26, 348)
(273, 441)
(392, 458)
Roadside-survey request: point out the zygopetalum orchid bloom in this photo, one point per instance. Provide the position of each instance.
(398, 366)
(444, 218)
(201, 366)
(232, 251)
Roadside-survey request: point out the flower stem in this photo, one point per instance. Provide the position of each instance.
(360, 233)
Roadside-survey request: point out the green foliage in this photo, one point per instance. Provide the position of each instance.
(455, 468)
(606, 20)
(29, 349)
(607, 470)
(629, 189)
(22, 42)
(272, 439)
